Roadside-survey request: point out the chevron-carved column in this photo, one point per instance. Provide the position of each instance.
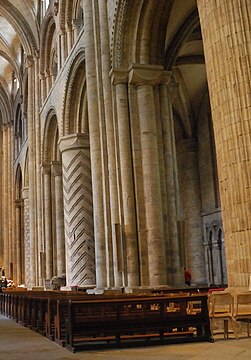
(78, 210)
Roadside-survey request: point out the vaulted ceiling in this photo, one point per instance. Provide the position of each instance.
(18, 30)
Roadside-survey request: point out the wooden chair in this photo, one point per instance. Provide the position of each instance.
(242, 309)
(221, 308)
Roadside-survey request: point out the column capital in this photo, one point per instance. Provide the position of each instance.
(119, 76)
(169, 81)
(74, 141)
(18, 203)
(140, 74)
(187, 145)
(29, 60)
(56, 168)
(77, 23)
(25, 193)
(46, 168)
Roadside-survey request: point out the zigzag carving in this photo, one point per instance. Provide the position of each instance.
(80, 233)
(80, 246)
(80, 237)
(77, 201)
(85, 215)
(83, 267)
(78, 165)
(73, 229)
(85, 255)
(83, 278)
(69, 183)
(84, 229)
(79, 212)
(80, 154)
(77, 187)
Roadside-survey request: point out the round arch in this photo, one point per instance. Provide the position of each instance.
(75, 97)
(21, 26)
(50, 138)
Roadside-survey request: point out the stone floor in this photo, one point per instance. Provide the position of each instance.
(20, 343)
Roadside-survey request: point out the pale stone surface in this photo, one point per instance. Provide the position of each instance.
(78, 210)
(131, 75)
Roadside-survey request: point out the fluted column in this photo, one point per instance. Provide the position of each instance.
(145, 78)
(191, 200)
(59, 212)
(120, 80)
(226, 35)
(46, 171)
(167, 89)
(78, 207)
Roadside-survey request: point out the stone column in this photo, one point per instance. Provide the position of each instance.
(5, 197)
(113, 215)
(63, 47)
(46, 171)
(48, 81)
(18, 252)
(77, 185)
(167, 90)
(95, 146)
(226, 36)
(43, 87)
(120, 80)
(191, 200)
(32, 170)
(59, 212)
(69, 35)
(10, 206)
(27, 251)
(144, 78)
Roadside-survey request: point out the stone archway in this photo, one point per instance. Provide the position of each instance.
(52, 256)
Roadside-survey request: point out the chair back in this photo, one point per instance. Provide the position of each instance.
(221, 303)
(243, 304)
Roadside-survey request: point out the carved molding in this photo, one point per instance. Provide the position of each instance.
(145, 74)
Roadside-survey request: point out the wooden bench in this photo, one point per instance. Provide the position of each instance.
(135, 321)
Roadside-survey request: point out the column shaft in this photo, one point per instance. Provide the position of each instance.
(27, 258)
(48, 222)
(59, 212)
(5, 198)
(80, 254)
(227, 46)
(191, 200)
(108, 144)
(173, 248)
(127, 187)
(95, 147)
(145, 78)
(32, 169)
(18, 263)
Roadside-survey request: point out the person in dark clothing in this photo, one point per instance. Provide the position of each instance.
(187, 276)
(4, 283)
